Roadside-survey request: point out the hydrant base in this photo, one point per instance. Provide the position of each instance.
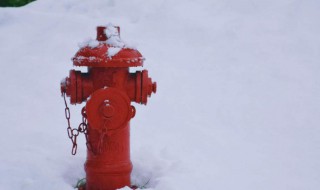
(83, 187)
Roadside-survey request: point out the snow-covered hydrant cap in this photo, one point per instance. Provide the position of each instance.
(108, 50)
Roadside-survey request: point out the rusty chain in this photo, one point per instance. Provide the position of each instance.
(74, 133)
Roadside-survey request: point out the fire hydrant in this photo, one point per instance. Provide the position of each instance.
(108, 88)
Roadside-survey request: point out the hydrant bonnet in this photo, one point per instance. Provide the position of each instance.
(109, 52)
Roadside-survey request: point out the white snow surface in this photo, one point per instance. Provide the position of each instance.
(238, 101)
(113, 36)
(89, 42)
(113, 51)
(113, 39)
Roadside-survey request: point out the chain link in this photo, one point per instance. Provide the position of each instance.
(83, 128)
(74, 133)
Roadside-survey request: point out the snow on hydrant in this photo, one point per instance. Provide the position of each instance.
(108, 88)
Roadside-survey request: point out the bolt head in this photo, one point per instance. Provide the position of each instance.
(108, 110)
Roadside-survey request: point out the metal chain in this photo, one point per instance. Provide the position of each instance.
(74, 133)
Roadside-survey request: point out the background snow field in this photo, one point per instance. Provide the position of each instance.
(238, 101)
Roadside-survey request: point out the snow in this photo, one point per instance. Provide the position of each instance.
(111, 31)
(238, 99)
(89, 42)
(113, 39)
(82, 58)
(113, 36)
(113, 51)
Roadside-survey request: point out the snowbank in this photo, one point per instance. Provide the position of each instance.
(238, 103)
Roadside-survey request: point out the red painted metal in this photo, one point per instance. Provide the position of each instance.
(108, 88)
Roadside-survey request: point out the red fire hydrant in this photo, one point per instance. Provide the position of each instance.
(108, 89)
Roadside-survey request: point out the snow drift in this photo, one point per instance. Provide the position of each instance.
(237, 107)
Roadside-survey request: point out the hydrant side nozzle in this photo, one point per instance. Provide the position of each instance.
(154, 87)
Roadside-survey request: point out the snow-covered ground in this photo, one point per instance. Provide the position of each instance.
(238, 101)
